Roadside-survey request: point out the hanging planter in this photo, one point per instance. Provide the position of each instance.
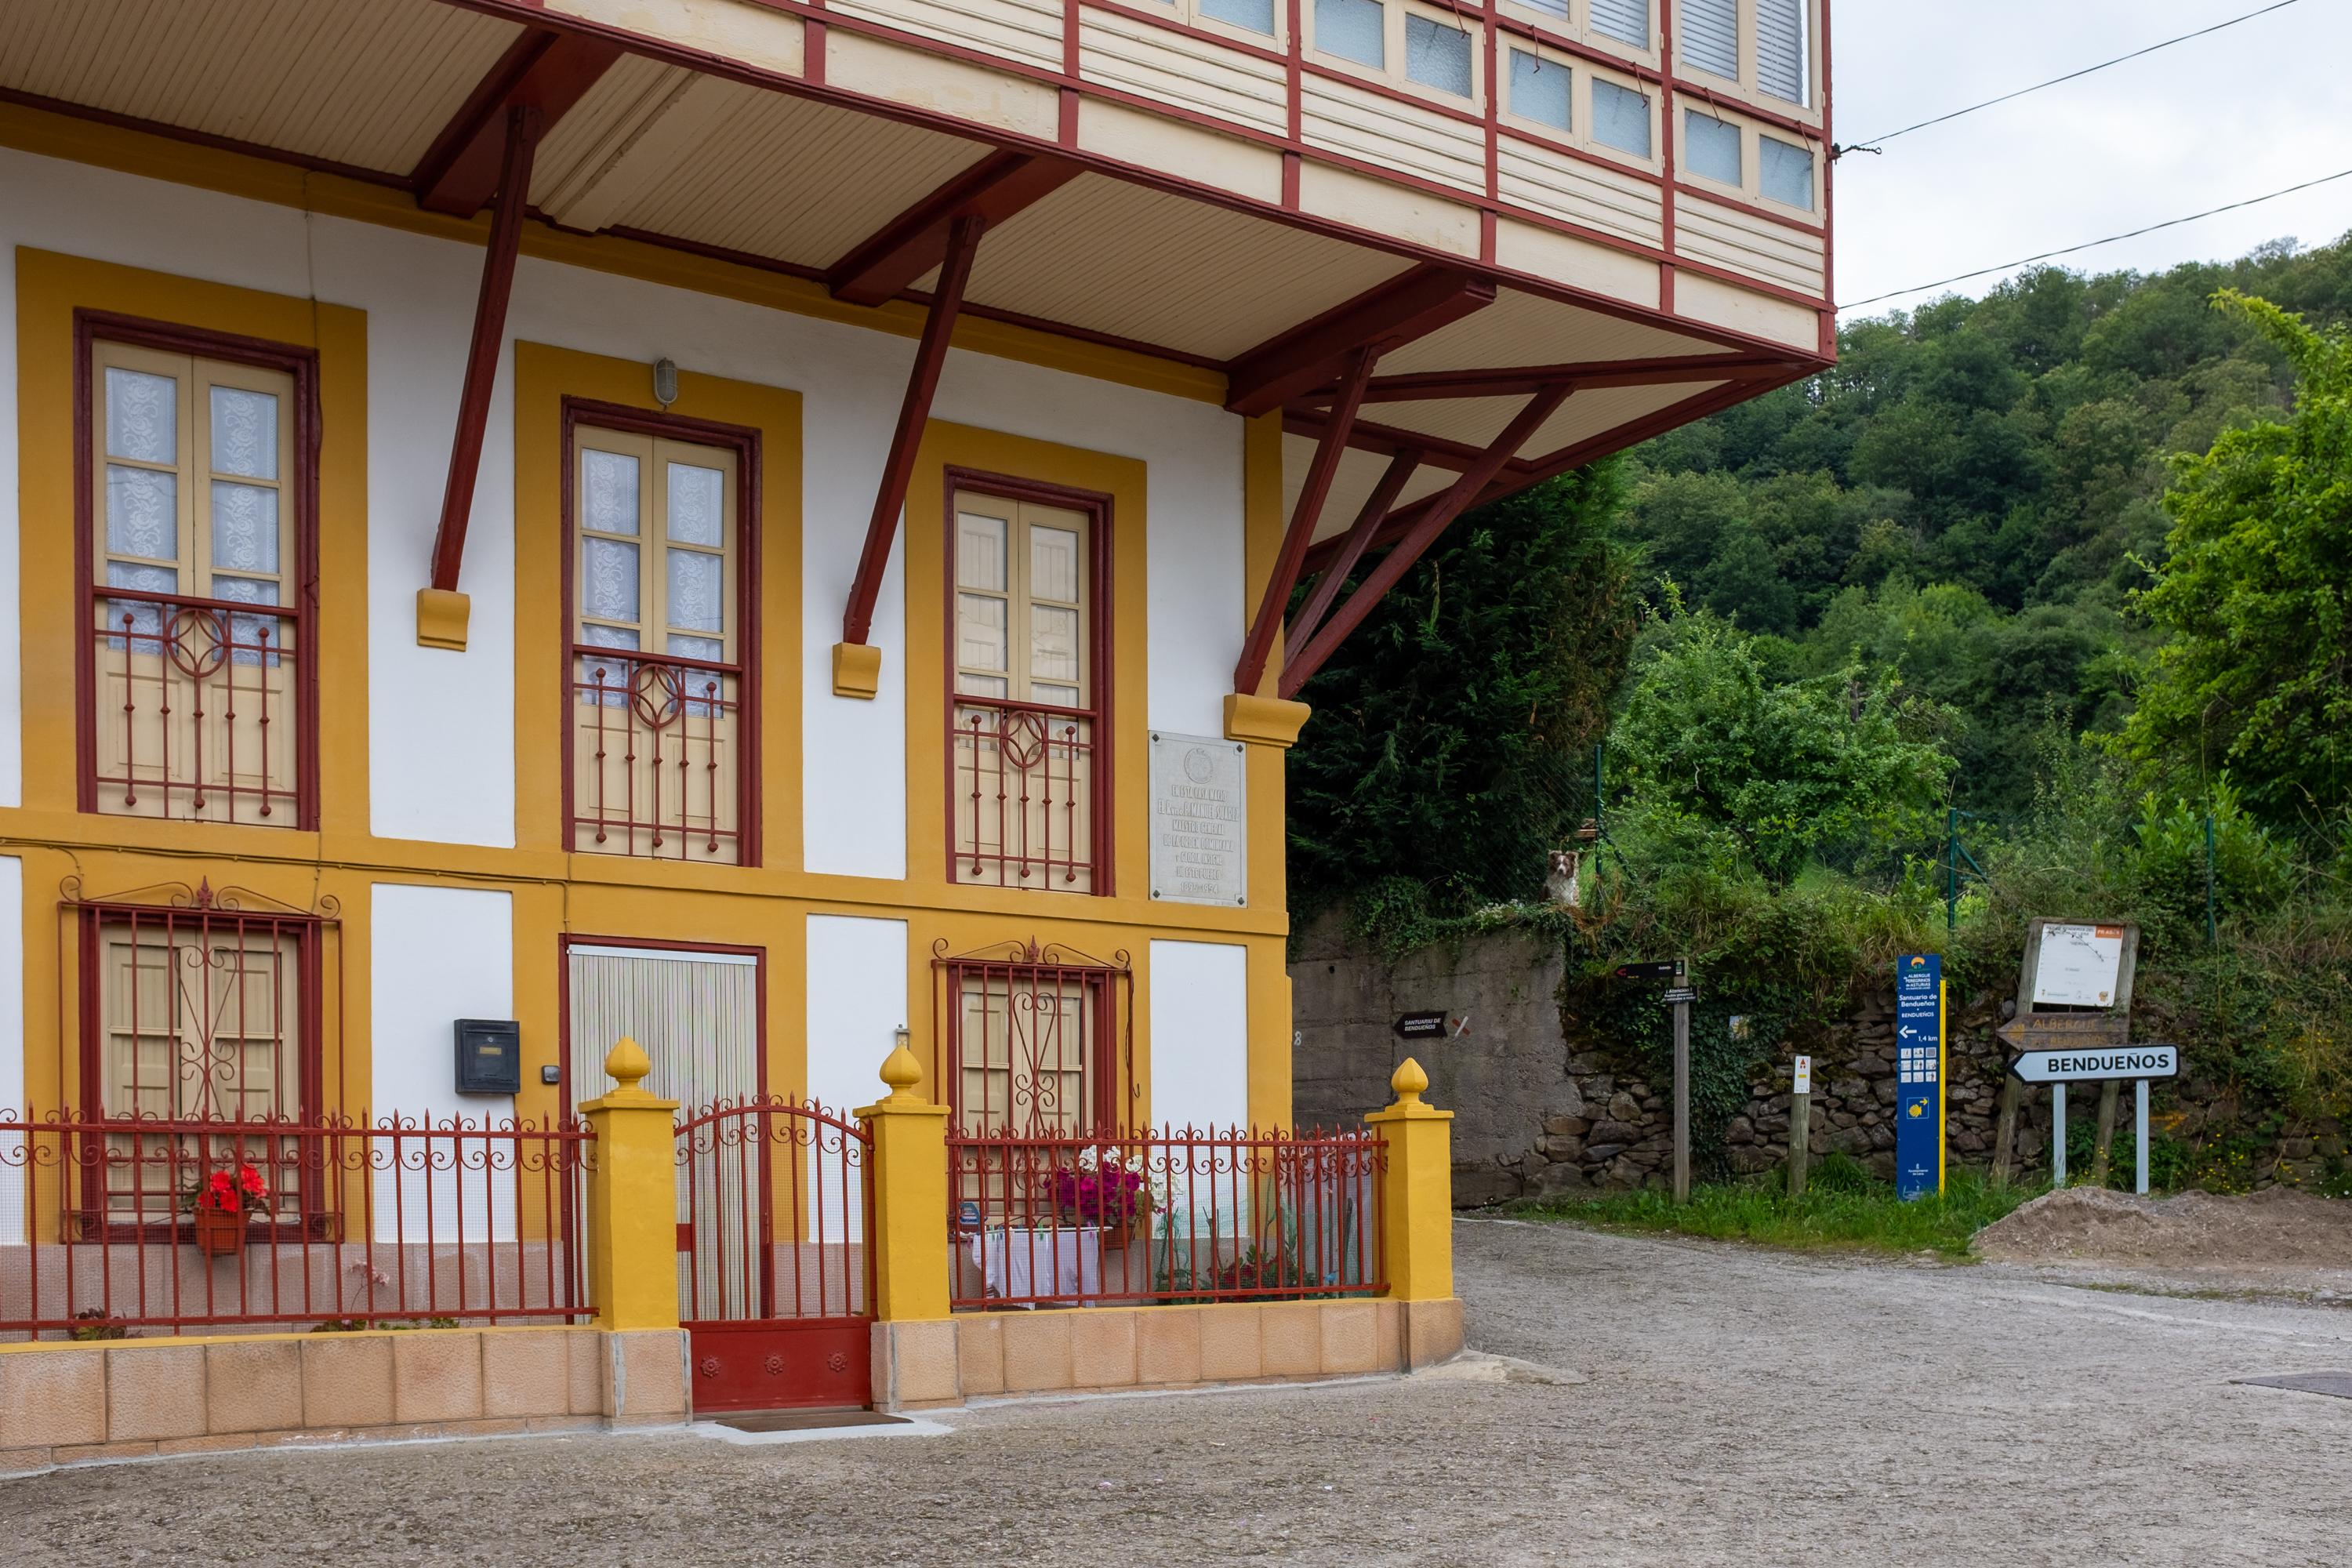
(221, 1208)
(220, 1233)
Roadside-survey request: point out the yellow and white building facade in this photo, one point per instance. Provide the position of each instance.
(766, 527)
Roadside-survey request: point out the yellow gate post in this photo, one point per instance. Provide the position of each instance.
(633, 1244)
(915, 1359)
(1417, 1217)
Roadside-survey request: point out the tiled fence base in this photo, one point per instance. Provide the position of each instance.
(65, 1403)
(971, 1355)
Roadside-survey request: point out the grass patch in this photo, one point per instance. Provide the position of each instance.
(1842, 1208)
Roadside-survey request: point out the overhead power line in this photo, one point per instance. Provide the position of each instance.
(1873, 143)
(2095, 244)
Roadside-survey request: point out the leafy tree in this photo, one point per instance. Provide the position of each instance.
(1443, 727)
(1782, 770)
(2257, 674)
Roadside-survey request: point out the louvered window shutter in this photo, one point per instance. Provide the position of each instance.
(1780, 48)
(1627, 21)
(1708, 35)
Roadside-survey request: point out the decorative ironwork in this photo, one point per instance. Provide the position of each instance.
(398, 1219)
(1037, 1037)
(1022, 795)
(195, 714)
(1176, 1216)
(655, 762)
(773, 1202)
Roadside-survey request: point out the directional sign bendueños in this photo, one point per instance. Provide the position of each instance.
(2096, 1064)
(1420, 1026)
(1918, 1075)
(1669, 969)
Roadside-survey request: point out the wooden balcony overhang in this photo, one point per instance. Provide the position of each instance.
(1428, 345)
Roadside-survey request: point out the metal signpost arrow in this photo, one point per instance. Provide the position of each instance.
(1420, 1026)
(2096, 1060)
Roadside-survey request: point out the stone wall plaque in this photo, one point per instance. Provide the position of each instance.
(1200, 820)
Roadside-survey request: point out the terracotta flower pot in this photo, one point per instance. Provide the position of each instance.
(221, 1233)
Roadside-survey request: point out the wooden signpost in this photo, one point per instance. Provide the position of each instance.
(2075, 966)
(1801, 1124)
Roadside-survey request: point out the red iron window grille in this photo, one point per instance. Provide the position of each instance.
(1027, 775)
(197, 504)
(659, 581)
(1038, 1040)
(199, 1045)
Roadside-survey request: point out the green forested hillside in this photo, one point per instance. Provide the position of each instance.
(2037, 605)
(1969, 499)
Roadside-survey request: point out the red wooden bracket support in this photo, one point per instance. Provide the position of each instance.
(1431, 523)
(914, 413)
(1304, 516)
(523, 126)
(1351, 550)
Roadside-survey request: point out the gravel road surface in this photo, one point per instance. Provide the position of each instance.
(1733, 1406)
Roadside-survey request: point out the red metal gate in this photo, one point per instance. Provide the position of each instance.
(775, 1283)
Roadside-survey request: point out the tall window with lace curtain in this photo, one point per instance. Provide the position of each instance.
(660, 708)
(1025, 709)
(197, 520)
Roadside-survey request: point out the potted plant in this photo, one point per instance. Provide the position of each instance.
(1101, 1193)
(223, 1206)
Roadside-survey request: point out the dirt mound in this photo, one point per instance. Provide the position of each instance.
(2277, 1226)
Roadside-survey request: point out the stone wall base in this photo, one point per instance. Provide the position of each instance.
(65, 1403)
(1100, 1350)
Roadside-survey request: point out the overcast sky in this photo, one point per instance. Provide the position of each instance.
(2256, 108)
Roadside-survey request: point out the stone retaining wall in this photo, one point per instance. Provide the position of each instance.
(1541, 1112)
(66, 1402)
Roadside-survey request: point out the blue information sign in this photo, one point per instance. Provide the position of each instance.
(1918, 1075)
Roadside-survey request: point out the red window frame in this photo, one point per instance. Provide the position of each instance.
(91, 327)
(744, 442)
(1096, 507)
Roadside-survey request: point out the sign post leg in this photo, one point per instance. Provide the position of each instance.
(2057, 1134)
(2140, 1141)
(1801, 1141)
(1682, 1103)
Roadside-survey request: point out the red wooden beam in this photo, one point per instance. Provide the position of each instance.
(1351, 550)
(545, 71)
(914, 242)
(1310, 356)
(1522, 380)
(1304, 516)
(1519, 476)
(523, 130)
(1431, 523)
(922, 382)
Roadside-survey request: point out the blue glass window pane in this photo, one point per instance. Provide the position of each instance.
(1351, 29)
(1257, 16)
(1540, 89)
(1437, 54)
(1784, 171)
(1711, 147)
(1620, 117)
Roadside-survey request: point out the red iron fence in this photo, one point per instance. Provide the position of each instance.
(198, 711)
(1023, 796)
(110, 1226)
(1170, 1216)
(657, 756)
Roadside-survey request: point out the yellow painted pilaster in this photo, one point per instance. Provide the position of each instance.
(1417, 1191)
(633, 1200)
(910, 1197)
